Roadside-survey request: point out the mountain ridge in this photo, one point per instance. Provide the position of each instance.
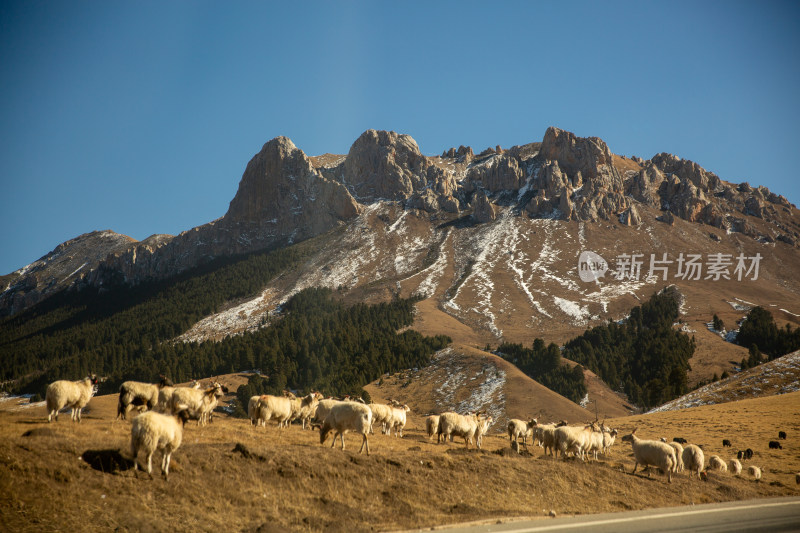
(520, 212)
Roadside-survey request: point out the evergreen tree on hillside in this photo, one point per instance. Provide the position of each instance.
(644, 355)
(759, 329)
(543, 364)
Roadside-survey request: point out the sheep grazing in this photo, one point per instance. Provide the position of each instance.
(715, 463)
(726, 443)
(465, 426)
(307, 409)
(483, 428)
(609, 436)
(693, 459)
(252, 411)
(198, 402)
(594, 444)
(775, 445)
(139, 394)
(678, 455)
(546, 435)
(782, 435)
(520, 429)
(432, 425)
(153, 431)
(344, 417)
(652, 452)
(284, 408)
(736, 467)
(72, 394)
(382, 414)
(323, 409)
(572, 439)
(679, 440)
(755, 472)
(398, 420)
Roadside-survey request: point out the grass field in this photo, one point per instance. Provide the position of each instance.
(231, 477)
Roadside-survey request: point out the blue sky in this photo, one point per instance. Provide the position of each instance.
(140, 117)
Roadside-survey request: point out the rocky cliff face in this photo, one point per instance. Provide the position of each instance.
(285, 197)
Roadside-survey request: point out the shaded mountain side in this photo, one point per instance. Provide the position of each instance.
(59, 269)
(604, 402)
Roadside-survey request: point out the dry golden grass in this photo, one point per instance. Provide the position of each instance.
(285, 481)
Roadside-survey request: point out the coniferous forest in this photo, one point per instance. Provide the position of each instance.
(643, 355)
(760, 334)
(544, 364)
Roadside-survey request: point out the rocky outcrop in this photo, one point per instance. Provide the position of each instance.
(496, 173)
(554, 189)
(644, 185)
(282, 197)
(385, 165)
(483, 211)
(630, 217)
(583, 185)
(689, 170)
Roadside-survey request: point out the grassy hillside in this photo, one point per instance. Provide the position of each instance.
(231, 477)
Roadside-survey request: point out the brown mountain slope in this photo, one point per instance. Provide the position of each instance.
(462, 378)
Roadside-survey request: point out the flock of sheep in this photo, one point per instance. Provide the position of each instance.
(169, 408)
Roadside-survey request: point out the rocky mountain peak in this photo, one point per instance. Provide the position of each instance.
(286, 197)
(385, 164)
(577, 179)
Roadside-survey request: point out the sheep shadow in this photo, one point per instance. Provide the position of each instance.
(107, 461)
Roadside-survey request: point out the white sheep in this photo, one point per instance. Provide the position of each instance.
(466, 426)
(398, 420)
(432, 425)
(755, 472)
(678, 454)
(72, 394)
(594, 444)
(198, 402)
(736, 467)
(715, 463)
(381, 414)
(153, 431)
(252, 410)
(652, 453)
(139, 394)
(283, 408)
(344, 417)
(520, 429)
(693, 459)
(323, 410)
(609, 437)
(483, 428)
(307, 409)
(572, 439)
(546, 435)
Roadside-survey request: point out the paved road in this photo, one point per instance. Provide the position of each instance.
(772, 515)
